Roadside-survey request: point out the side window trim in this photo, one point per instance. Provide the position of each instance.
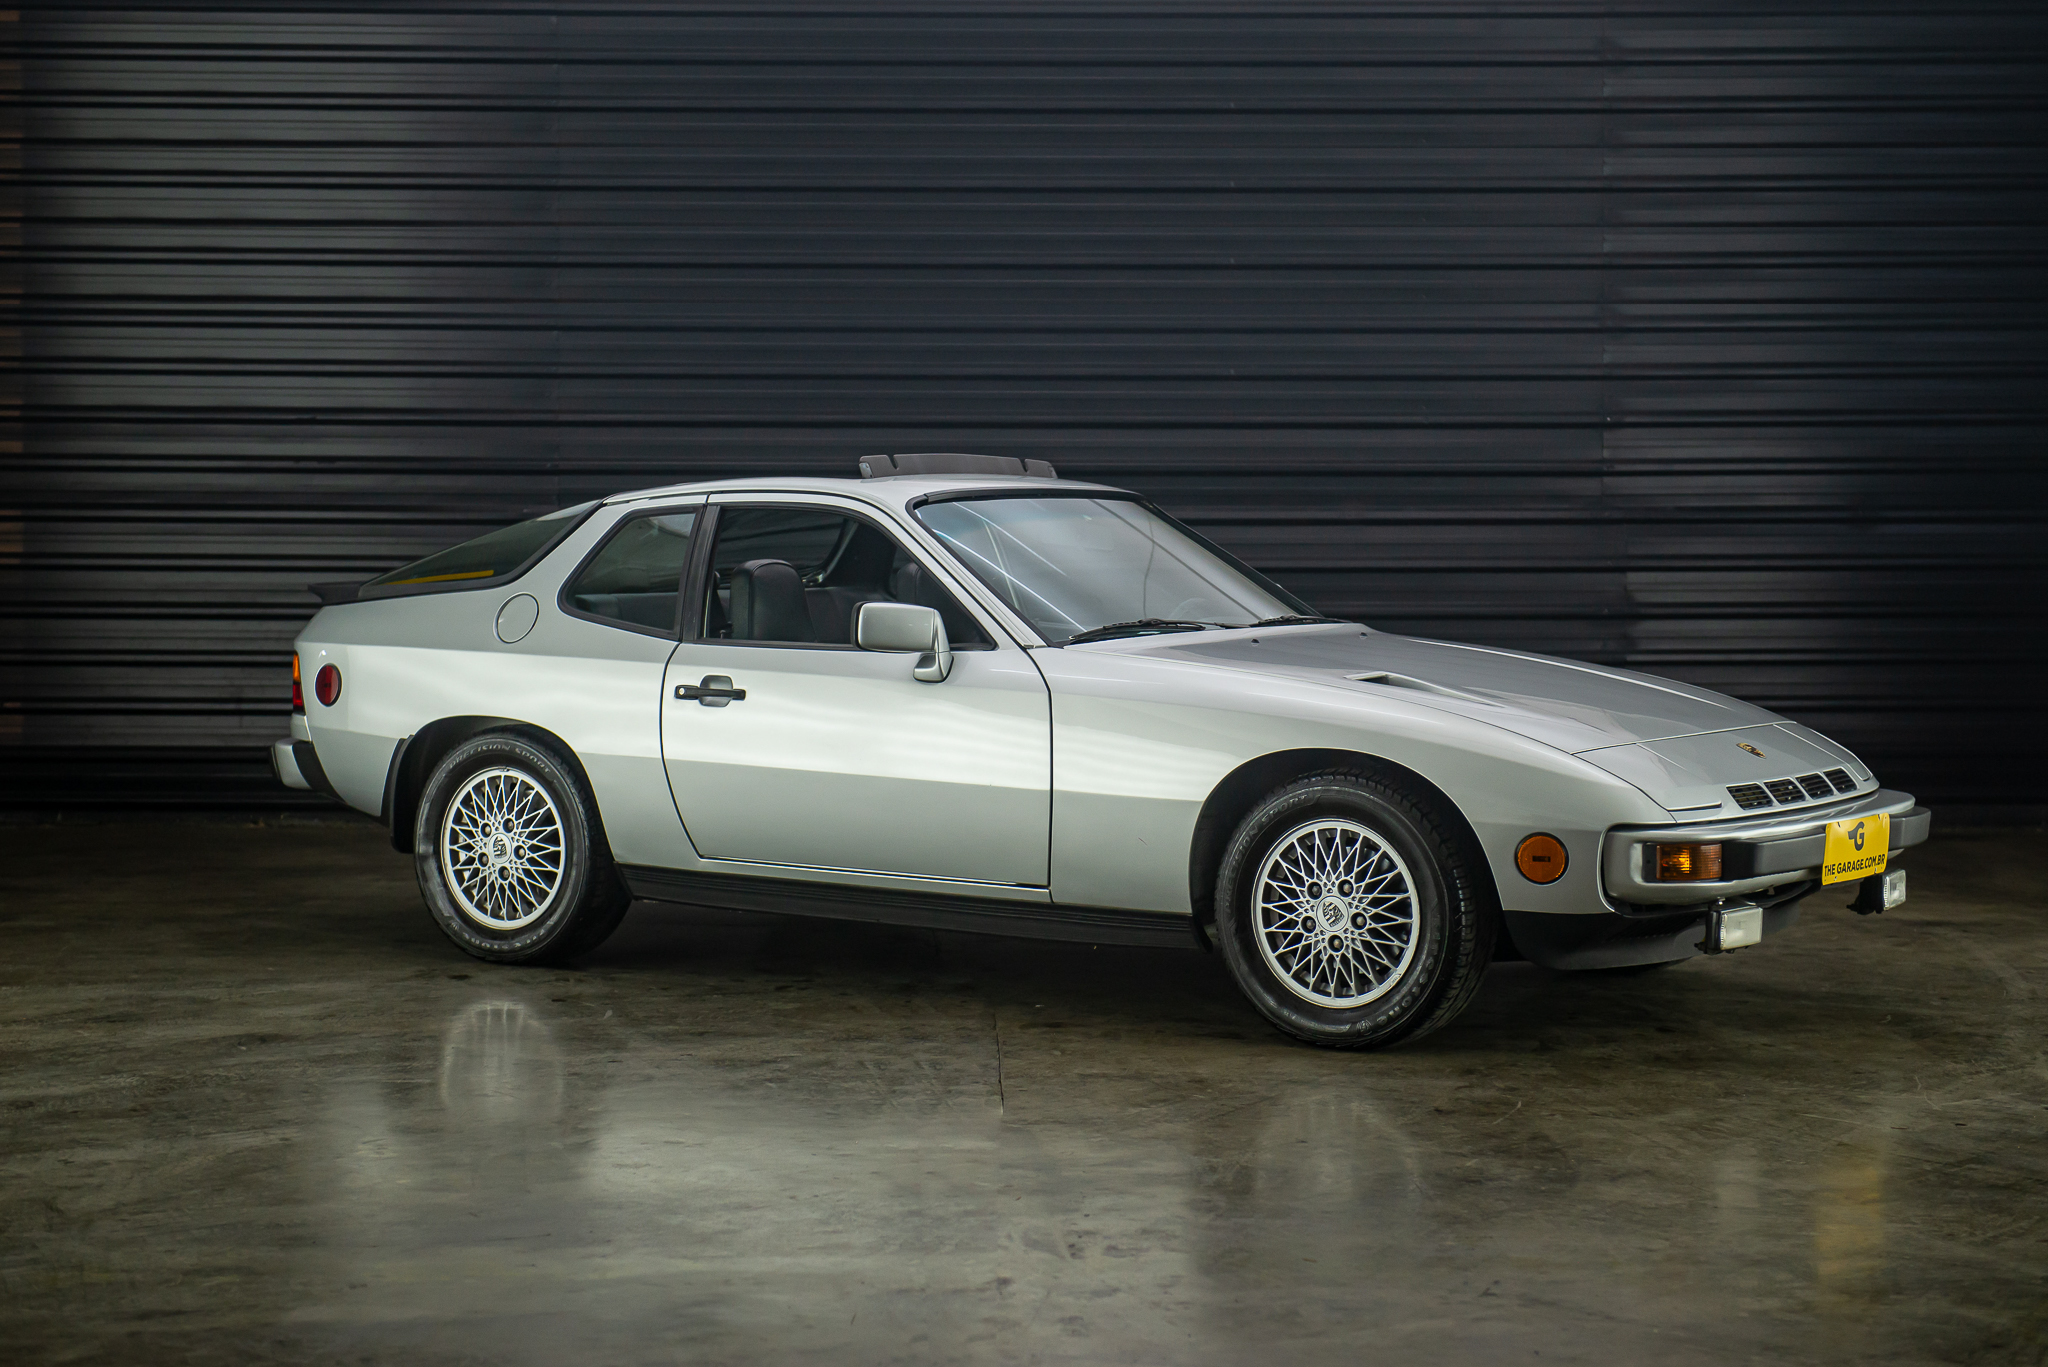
(702, 583)
(697, 583)
(698, 541)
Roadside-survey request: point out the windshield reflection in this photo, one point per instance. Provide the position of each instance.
(1071, 566)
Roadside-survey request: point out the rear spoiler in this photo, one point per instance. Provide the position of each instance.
(335, 593)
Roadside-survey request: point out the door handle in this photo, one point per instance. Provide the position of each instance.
(716, 690)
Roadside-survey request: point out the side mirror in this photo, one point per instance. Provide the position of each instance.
(906, 627)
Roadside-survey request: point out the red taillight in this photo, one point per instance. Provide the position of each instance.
(327, 685)
(298, 692)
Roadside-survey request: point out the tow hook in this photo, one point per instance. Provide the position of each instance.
(1880, 892)
(1732, 928)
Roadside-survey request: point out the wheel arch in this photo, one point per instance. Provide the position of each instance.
(1240, 790)
(418, 754)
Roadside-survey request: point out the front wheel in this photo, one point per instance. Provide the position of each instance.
(510, 854)
(1353, 913)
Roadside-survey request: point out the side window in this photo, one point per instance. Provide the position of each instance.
(635, 579)
(798, 575)
(494, 556)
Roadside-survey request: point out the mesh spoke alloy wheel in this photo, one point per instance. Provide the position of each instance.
(502, 849)
(1334, 913)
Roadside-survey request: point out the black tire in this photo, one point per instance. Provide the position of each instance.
(1445, 946)
(586, 899)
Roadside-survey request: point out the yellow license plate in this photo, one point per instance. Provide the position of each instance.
(1856, 849)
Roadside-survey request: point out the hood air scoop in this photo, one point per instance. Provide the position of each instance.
(1388, 680)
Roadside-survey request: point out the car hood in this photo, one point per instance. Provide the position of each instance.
(1572, 706)
(1682, 745)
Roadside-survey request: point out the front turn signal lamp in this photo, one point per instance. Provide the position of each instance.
(1541, 858)
(1687, 863)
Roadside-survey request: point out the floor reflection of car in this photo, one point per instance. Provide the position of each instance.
(962, 692)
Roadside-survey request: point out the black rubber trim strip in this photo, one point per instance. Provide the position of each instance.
(933, 911)
(696, 577)
(1912, 828)
(308, 760)
(391, 779)
(1752, 858)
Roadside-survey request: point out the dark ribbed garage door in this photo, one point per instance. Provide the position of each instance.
(1702, 339)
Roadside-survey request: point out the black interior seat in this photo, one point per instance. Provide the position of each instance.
(833, 610)
(768, 603)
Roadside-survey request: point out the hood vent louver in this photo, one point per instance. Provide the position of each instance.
(1789, 791)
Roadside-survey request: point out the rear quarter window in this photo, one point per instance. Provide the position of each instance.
(488, 560)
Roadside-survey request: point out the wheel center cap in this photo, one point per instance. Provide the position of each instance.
(1332, 911)
(501, 848)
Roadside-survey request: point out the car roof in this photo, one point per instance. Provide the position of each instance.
(888, 491)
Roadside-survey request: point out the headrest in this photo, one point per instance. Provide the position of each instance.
(768, 603)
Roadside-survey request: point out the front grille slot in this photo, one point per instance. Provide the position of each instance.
(1785, 790)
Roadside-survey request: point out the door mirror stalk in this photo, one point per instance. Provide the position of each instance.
(904, 628)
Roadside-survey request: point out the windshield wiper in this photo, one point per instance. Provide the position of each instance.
(1295, 619)
(1141, 626)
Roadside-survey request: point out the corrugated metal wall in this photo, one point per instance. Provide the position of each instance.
(1707, 339)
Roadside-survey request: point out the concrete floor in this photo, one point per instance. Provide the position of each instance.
(257, 1109)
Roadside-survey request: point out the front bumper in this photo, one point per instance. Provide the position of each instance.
(1760, 852)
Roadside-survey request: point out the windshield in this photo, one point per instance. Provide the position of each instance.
(1074, 566)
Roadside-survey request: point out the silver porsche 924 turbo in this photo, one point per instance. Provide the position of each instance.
(960, 692)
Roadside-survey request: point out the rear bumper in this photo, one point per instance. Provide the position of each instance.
(297, 765)
(1759, 853)
(287, 765)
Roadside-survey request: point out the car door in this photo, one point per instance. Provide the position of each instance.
(797, 749)
(592, 663)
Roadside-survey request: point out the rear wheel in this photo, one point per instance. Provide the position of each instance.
(511, 856)
(1352, 913)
